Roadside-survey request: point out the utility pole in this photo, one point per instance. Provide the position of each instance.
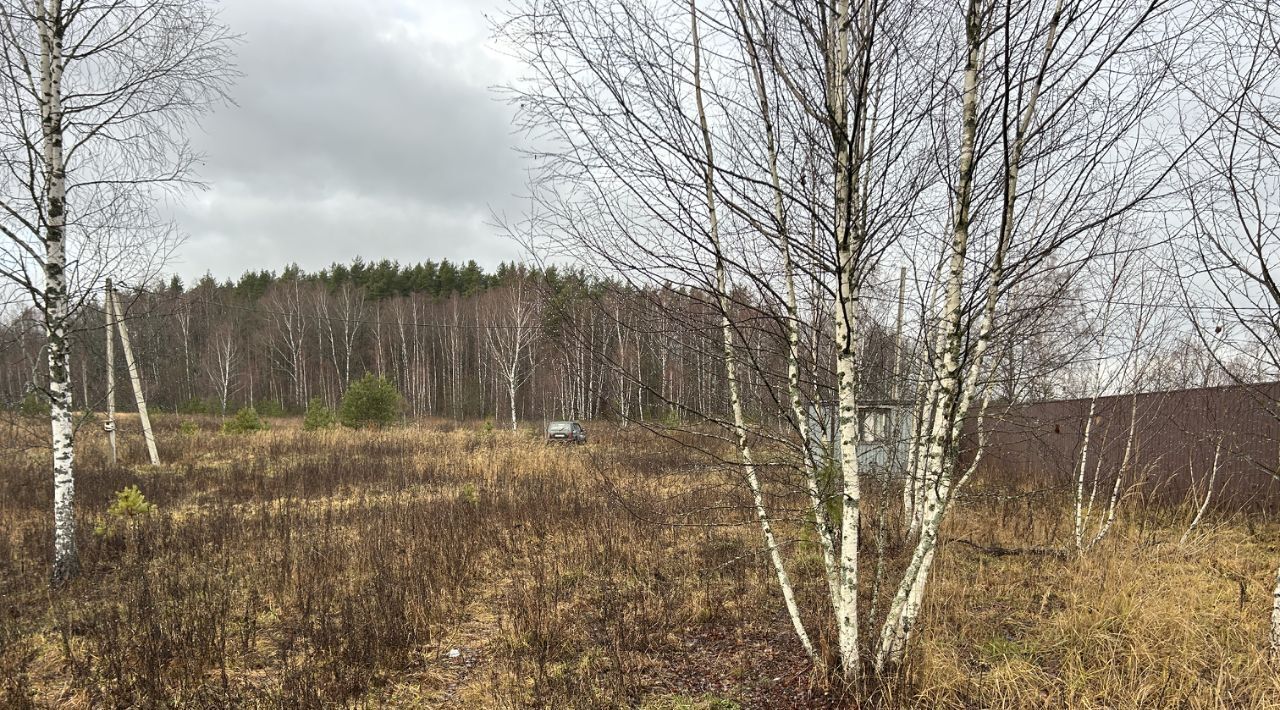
(136, 378)
(897, 338)
(110, 425)
(901, 423)
(84, 382)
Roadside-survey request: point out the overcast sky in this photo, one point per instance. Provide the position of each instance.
(362, 128)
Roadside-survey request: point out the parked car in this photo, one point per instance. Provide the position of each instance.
(566, 432)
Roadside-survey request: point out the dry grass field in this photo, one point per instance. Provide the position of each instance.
(428, 566)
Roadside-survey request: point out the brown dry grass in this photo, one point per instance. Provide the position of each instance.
(292, 569)
(1142, 622)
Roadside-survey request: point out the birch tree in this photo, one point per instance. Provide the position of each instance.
(513, 334)
(866, 99)
(1210, 479)
(350, 310)
(1125, 335)
(658, 159)
(1047, 102)
(731, 364)
(220, 362)
(95, 100)
(805, 141)
(1232, 207)
(289, 341)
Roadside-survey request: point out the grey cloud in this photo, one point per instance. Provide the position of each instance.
(354, 133)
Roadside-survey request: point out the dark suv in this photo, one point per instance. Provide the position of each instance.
(566, 432)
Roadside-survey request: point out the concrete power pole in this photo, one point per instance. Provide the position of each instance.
(110, 425)
(894, 384)
(136, 378)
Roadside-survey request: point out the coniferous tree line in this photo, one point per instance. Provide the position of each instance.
(455, 340)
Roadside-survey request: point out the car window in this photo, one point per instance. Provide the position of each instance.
(558, 426)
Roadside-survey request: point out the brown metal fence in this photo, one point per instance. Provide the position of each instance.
(1038, 445)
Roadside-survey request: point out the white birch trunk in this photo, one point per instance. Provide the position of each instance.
(1275, 619)
(1084, 509)
(184, 325)
(905, 607)
(624, 404)
(1208, 495)
(350, 328)
(925, 410)
(225, 356)
(1080, 476)
(822, 521)
(847, 243)
(66, 560)
(955, 393)
(639, 379)
(511, 391)
(1113, 502)
(731, 365)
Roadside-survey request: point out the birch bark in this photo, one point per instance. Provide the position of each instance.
(905, 607)
(822, 521)
(847, 142)
(1080, 476)
(955, 388)
(731, 365)
(66, 560)
(226, 353)
(1208, 495)
(1275, 619)
(1109, 518)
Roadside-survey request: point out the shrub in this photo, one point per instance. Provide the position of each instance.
(34, 405)
(188, 428)
(245, 421)
(196, 405)
(370, 402)
(319, 416)
(269, 408)
(469, 494)
(130, 504)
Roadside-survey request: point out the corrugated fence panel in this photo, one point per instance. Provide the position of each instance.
(1038, 445)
